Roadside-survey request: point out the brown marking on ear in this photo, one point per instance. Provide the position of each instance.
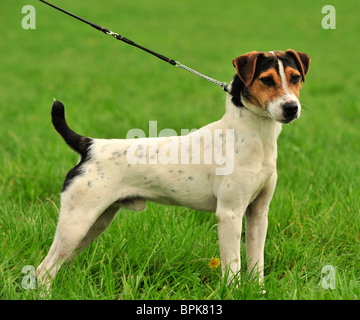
(302, 61)
(260, 94)
(245, 66)
(294, 87)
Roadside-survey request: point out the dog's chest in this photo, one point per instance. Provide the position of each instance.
(254, 165)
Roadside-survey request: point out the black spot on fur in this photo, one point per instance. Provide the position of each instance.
(116, 154)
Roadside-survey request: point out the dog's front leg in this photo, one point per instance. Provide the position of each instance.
(255, 234)
(256, 219)
(229, 229)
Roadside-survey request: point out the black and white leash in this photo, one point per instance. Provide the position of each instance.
(223, 85)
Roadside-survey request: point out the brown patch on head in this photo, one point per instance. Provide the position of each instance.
(245, 66)
(292, 75)
(296, 66)
(259, 72)
(261, 93)
(251, 68)
(302, 61)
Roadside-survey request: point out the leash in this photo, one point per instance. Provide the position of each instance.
(223, 85)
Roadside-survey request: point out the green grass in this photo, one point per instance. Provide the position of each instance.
(109, 88)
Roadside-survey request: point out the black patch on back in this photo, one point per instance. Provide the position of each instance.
(77, 170)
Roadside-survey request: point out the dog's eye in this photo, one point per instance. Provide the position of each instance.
(295, 78)
(268, 81)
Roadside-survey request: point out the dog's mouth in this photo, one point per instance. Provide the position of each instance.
(279, 117)
(287, 121)
(283, 118)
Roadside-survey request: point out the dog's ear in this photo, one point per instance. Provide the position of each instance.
(302, 61)
(245, 66)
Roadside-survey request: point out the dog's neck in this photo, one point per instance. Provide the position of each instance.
(241, 119)
(238, 116)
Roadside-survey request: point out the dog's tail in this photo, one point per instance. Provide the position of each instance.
(78, 143)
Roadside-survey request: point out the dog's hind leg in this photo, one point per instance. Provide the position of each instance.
(77, 227)
(105, 219)
(99, 226)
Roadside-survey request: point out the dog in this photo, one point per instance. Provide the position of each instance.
(263, 95)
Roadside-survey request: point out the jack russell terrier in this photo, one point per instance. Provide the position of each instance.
(125, 173)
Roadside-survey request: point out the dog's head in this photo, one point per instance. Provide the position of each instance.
(269, 83)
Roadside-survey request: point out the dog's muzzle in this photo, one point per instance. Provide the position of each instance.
(290, 111)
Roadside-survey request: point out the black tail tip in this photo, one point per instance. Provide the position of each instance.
(57, 110)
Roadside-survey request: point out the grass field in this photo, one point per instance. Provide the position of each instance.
(109, 88)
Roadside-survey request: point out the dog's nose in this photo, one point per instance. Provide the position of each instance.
(290, 109)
